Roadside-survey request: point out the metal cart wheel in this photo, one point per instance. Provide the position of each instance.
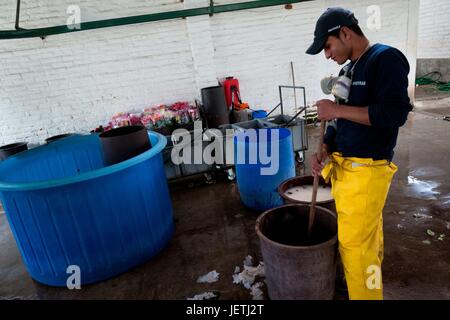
(231, 175)
(316, 122)
(300, 156)
(209, 178)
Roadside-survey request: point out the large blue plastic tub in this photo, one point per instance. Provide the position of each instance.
(65, 208)
(257, 183)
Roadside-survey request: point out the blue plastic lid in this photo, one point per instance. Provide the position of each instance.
(259, 114)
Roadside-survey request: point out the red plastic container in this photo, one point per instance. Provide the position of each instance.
(228, 84)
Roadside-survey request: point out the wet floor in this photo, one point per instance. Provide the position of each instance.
(214, 231)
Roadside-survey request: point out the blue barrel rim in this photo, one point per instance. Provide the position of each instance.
(286, 133)
(85, 176)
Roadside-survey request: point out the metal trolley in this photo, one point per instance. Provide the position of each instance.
(296, 124)
(181, 169)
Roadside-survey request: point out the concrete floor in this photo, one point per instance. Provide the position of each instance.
(214, 231)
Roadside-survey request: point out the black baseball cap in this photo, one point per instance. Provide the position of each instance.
(332, 19)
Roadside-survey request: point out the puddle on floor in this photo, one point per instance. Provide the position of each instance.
(422, 189)
(446, 202)
(423, 172)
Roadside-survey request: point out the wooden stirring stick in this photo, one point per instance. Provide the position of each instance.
(312, 210)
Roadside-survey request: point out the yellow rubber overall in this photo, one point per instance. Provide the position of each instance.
(360, 187)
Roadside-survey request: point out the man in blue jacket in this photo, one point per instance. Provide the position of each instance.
(360, 141)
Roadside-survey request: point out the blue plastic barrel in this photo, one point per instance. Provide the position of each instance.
(263, 158)
(65, 208)
(258, 114)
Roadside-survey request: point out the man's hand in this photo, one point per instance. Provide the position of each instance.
(318, 160)
(327, 109)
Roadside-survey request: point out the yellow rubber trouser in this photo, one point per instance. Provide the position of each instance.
(360, 187)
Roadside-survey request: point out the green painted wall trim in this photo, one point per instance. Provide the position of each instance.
(210, 10)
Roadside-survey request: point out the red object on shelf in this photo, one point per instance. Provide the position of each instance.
(231, 87)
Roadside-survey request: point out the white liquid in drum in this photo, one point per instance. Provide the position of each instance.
(304, 193)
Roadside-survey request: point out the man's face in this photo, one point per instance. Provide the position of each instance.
(337, 49)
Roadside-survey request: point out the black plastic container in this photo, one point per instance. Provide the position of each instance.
(213, 100)
(214, 121)
(305, 180)
(214, 106)
(57, 137)
(11, 149)
(123, 143)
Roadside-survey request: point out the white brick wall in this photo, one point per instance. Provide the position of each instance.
(434, 29)
(258, 45)
(200, 38)
(74, 82)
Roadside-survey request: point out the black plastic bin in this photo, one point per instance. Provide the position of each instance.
(11, 149)
(57, 137)
(123, 143)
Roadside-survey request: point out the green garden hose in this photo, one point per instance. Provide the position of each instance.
(433, 78)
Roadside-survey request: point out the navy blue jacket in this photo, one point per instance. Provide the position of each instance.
(380, 81)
